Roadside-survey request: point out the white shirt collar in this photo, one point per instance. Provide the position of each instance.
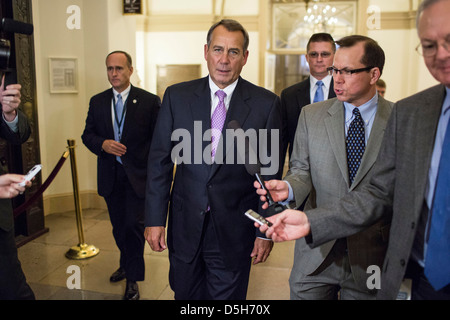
(228, 90)
(367, 110)
(326, 81)
(124, 93)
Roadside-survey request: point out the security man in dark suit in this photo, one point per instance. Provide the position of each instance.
(317, 87)
(119, 129)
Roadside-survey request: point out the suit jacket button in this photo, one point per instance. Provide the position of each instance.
(402, 262)
(413, 225)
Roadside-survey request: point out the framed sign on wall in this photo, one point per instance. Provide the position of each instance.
(63, 75)
(132, 6)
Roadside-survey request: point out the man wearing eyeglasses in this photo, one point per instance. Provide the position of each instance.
(411, 178)
(335, 147)
(317, 87)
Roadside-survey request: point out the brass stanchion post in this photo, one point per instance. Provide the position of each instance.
(82, 250)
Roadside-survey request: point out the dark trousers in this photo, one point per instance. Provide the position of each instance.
(13, 285)
(207, 277)
(126, 211)
(421, 288)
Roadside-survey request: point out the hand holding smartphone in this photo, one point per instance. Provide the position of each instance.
(257, 217)
(30, 175)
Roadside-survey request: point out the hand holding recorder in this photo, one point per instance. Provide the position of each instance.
(30, 175)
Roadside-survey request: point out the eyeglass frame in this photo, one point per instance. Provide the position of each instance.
(446, 45)
(343, 72)
(323, 54)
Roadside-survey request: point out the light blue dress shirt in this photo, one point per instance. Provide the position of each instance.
(13, 125)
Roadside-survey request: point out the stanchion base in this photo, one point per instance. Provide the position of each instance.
(82, 251)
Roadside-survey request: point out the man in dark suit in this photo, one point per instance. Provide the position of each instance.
(119, 130)
(319, 55)
(15, 129)
(210, 241)
(411, 178)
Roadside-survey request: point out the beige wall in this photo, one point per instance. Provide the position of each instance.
(171, 32)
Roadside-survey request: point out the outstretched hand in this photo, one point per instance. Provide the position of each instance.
(287, 225)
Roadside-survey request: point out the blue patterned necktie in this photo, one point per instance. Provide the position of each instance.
(118, 123)
(355, 144)
(437, 259)
(319, 92)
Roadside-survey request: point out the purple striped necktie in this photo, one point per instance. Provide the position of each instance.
(217, 121)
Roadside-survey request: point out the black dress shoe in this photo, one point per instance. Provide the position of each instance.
(118, 275)
(131, 291)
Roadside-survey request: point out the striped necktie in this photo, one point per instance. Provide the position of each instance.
(217, 121)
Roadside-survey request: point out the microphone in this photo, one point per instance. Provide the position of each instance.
(13, 26)
(254, 169)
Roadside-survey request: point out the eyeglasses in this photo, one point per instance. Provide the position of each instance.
(429, 49)
(346, 72)
(315, 55)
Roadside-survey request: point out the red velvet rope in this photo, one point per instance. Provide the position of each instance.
(44, 186)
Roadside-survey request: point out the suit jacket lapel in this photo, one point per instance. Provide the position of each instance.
(336, 133)
(132, 103)
(429, 113)
(303, 95)
(200, 106)
(239, 108)
(375, 140)
(331, 93)
(107, 113)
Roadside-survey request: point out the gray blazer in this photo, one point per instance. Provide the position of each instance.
(399, 182)
(319, 166)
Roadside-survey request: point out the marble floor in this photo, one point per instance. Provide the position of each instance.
(47, 269)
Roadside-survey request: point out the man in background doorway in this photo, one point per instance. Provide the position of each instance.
(317, 87)
(381, 87)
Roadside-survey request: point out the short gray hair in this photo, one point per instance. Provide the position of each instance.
(230, 25)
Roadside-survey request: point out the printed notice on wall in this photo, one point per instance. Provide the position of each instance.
(63, 75)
